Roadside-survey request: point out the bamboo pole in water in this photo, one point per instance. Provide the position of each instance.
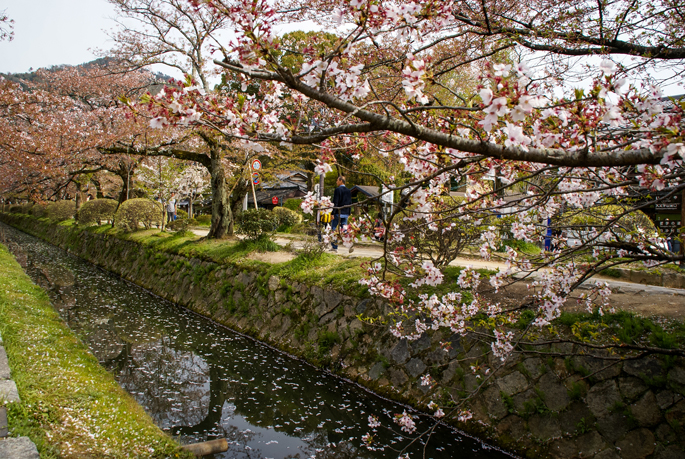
(219, 445)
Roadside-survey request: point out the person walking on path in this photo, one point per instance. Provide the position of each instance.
(342, 202)
(171, 208)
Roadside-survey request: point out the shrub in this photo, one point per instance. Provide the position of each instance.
(180, 213)
(21, 208)
(519, 246)
(450, 235)
(96, 211)
(39, 210)
(580, 223)
(180, 224)
(256, 223)
(27, 208)
(133, 212)
(301, 228)
(30, 208)
(293, 204)
(61, 210)
(286, 217)
(204, 220)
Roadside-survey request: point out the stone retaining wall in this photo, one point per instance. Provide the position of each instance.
(550, 405)
(664, 278)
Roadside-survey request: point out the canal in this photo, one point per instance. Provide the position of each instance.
(201, 381)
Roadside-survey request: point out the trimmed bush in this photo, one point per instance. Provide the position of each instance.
(256, 223)
(203, 220)
(39, 210)
(293, 204)
(96, 211)
(286, 217)
(180, 213)
(180, 224)
(61, 210)
(21, 208)
(134, 212)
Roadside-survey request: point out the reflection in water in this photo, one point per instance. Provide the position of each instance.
(200, 381)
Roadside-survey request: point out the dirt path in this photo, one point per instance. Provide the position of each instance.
(645, 300)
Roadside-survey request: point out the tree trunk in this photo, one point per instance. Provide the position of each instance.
(125, 172)
(239, 195)
(79, 195)
(222, 217)
(123, 195)
(98, 188)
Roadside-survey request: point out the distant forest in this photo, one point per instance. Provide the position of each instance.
(33, 77)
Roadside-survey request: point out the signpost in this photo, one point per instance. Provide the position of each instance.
(255, 165)
(274, 200)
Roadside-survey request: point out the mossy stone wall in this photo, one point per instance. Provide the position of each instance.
(551, 405)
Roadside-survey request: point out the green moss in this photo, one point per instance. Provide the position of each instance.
(326, 340)
(525, 319)
(611, 272)
(577, 391)
(628, 328)
(508, 402)
(583, 427)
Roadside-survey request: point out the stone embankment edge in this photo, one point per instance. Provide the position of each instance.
(19, 447)
(559, 405)
(11, 447)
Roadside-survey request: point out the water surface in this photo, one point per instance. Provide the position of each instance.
(201, 381)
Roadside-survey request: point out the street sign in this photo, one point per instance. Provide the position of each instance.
(668, 224)
(255, 178)
(274, 200)
(256, 164)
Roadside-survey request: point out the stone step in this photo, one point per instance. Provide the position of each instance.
(3, 422)
(8, 391)
(18, 448)
(4, 364)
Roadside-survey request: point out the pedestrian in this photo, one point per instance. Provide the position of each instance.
(171, 208)
(378, 229)
(324, 222)
(342, 204)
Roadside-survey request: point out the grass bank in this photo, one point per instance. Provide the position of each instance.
(71, 407)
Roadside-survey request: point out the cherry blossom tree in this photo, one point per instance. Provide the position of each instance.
(550, 116)
(55, 126)
(160, 176)
(6, 27)
(177, 35)
(167, 32)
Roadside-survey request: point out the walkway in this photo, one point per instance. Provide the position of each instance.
(375, 250)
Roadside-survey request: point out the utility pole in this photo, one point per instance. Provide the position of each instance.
(682, 228)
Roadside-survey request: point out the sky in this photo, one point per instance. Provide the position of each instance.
(54, 32)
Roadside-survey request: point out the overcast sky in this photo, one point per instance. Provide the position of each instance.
(53, 32)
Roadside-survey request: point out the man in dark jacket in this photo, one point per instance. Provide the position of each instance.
(342, 201)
